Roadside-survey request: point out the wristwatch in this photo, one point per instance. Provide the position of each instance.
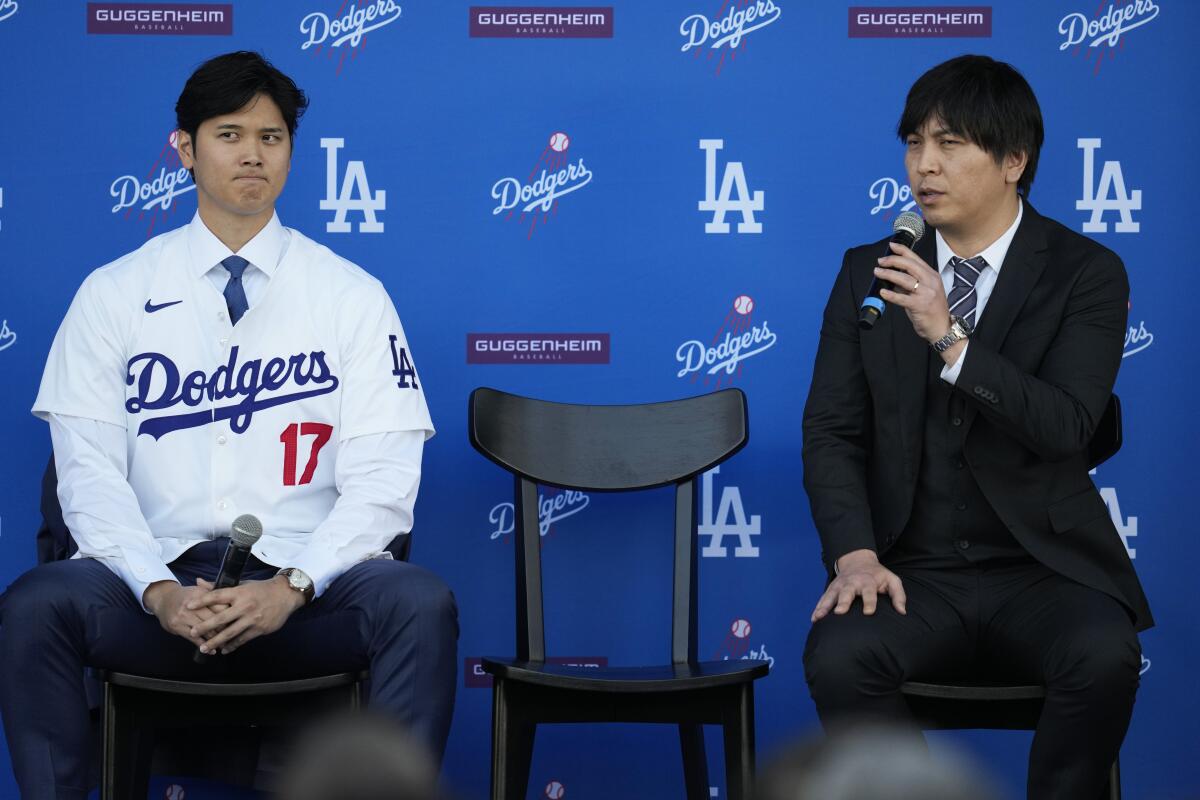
(298, 580)
(959, 329)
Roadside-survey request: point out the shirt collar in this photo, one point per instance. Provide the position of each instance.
(264, 251)
(993, 254)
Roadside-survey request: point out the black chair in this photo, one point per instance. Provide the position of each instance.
(147, 723)
(976, 702)
(610, 449)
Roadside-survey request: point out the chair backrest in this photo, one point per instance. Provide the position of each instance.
(1108, 436)
(606, 448)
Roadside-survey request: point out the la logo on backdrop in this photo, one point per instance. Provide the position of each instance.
(1102, 34)
(354, 195)
(733, 181)
(152, 194)
(342, 35)
(726, 33)
(1107, 194)
(1127, 527)
(536, 198)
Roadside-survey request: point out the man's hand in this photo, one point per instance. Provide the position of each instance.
(918, 290)
(172, 604)
(860, 575)
(251, 609)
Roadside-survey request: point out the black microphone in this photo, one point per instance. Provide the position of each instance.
(906, 230)
(245, 531)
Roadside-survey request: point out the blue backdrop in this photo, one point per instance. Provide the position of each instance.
(420, 112)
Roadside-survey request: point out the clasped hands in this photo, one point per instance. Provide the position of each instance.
(222, 620)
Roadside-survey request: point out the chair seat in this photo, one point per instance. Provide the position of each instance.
(962, 690)
(230, 688)
(664, 678)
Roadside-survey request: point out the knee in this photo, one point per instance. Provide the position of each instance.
(41, 594)
(844, 654)
(411, 592)
(1103, 662)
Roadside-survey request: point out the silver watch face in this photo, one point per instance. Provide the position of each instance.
(298, 580)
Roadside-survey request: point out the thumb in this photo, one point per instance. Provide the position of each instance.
(203, 583)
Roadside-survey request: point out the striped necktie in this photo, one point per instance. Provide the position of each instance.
(962, 297)
(235, 295)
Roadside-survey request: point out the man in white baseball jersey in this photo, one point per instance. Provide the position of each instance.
(230, 366)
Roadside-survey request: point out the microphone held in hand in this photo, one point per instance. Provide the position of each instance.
(245, 531)
(906, 230)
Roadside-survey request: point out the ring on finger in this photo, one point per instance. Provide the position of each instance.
(916, 286)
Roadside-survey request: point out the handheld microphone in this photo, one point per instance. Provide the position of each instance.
(906, 230)
(245, 531)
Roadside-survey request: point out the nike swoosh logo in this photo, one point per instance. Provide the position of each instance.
(151, 308)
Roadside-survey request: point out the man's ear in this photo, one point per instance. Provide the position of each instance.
(184, 146)
(1014, 167)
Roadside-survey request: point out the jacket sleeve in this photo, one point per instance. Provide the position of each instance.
(837, 430)
(1053, 410)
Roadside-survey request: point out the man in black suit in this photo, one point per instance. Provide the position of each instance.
(945, 451)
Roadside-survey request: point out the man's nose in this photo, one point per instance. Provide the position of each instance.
(928, 161)
(252, 156)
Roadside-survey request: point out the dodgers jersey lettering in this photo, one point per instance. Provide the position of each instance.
(220, 419)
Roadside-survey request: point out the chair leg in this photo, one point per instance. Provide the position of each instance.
(739, 743)
(127, 750)
(1114, 780)
(512, 746)
(695, 764)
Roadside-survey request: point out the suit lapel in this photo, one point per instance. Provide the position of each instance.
(912, 366)
(1022, 267)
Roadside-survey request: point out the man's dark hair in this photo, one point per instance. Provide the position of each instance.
(986, 101)
(224, 84)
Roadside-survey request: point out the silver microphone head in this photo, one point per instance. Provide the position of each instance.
(245, 530)
(911, 222)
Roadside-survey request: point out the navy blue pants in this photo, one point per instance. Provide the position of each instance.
(391, 617)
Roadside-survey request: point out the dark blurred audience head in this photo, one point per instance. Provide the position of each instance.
(870, 762)
(359, 757)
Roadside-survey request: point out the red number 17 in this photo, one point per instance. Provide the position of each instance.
(290, 438)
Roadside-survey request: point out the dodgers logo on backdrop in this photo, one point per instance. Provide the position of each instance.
(8, 8)
(553, 176)
(551, 510)
(737, 645)
(1126, 526)
(1108, 195)
(917, 22)
(888, 193)
(189, 19)
(1137, 338)
(355, 194)
(153, 197)
(323, 34)
(540, 22)
(7, 337)
(737, 339)
(729, 521)
(251, 386)
(726, 33)
(1099, 36)
(733, 179)
(1145, 666)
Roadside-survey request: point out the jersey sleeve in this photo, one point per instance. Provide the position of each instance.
(382, 390)
(85, 371)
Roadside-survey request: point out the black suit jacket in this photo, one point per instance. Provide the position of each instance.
(1037, 376)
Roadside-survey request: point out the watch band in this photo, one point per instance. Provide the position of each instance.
(304, 586)
(959, 330)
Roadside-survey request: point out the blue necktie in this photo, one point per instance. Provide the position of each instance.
(235, 295)
(962, 298)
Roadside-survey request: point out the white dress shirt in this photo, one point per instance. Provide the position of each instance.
(994, 255)
(324, 445)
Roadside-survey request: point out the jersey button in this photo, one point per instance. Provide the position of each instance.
(221, 439)
(220, 315)
(223, 342)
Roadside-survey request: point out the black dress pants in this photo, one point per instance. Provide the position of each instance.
(1022, 623)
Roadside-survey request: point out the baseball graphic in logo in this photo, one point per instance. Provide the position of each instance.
(559, 142)
(555, 790)
(174, 792)
(740, 628)
(743, 304)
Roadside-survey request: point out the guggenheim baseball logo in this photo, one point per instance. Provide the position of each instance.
(725, 34)
(323, 34)
(738, 338)
(153, 195)
(188, 19)
(1100, 36)
(538, 348)
(554, 175)
(540, 22)
(920, 22)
